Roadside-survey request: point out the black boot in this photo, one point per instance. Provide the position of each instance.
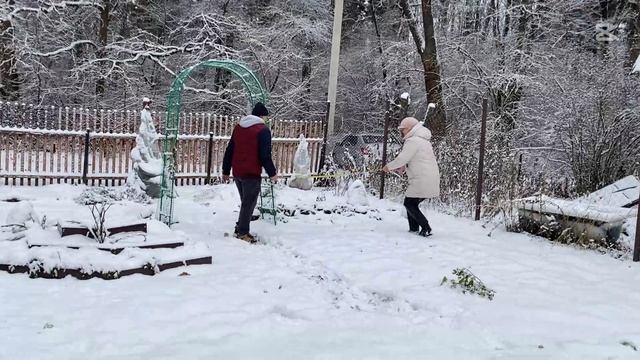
(425, 232)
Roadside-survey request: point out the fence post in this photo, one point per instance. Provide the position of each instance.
(85, 165)
(209, 151)
(323, 152)
(385, 139)
(636, 247)
(483, 135)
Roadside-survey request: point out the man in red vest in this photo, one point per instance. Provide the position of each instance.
(248, 151)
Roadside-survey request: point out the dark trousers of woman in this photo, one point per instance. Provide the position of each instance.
(415, 216)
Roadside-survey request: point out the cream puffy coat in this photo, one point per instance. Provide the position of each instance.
(422, 168)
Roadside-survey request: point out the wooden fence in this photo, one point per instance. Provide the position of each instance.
(41, 145)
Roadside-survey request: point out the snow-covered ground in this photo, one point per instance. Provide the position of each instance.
(328, 286)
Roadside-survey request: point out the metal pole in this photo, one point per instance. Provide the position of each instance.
(85, 165)
(209, 158)
(636, 247)
(335, 60)
(385, 139)
(323, 152)
(483, 135)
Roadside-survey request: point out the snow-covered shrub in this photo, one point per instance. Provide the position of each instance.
(99, 214)
(603, 147)
(357, 194)
(508, 175)
(133, 194)
(102, 194)
(326, 176)
(99, 200)
(467, 282)
(457, 162)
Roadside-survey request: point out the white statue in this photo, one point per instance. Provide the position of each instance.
(147, 130)
(302, 167)
(147, 162)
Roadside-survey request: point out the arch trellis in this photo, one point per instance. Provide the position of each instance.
(253, 88)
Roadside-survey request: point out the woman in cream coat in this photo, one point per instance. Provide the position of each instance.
(422, 170)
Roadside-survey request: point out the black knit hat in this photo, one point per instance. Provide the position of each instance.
(260, 110)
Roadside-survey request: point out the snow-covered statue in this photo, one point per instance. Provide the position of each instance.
(147, 162)
(23, 214)
(357, 194)
(147, 130)
(302, 167)
(21, 217)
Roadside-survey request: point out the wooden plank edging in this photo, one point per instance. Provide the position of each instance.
(58, 273)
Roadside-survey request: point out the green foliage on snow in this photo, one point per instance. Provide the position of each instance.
(468, 283)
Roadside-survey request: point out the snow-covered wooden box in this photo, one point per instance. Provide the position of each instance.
(573, 220)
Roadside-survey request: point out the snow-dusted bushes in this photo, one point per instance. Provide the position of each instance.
(99, 214)
(101, 194)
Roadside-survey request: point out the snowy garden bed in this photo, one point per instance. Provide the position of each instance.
(322, 279)
(55, 239)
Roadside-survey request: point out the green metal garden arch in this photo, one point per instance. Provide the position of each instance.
(253, 88)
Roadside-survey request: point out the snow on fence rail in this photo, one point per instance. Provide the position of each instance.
(46, 145)
(127, 121)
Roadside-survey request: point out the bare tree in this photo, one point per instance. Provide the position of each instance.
(427, 50)
(99, 229)
(9, 80)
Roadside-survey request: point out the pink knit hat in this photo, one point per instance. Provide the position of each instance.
(408, 123)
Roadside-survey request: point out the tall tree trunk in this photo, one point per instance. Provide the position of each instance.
(306, 78)
(426, 48)
(103, 38)
(606, 9)
(9, 79)
(492, 20)
(471, 22)
(634, 32)
(431, 67)
(444, 23)
(306, 65)
(522, 33)
(222, 78)
(507, 18)
(374, 19)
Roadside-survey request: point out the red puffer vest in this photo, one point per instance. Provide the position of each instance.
(246, 151)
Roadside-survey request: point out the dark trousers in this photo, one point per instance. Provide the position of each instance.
(414, 215)
(249, 190)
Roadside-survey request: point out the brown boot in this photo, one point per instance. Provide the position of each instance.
(246, 237)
